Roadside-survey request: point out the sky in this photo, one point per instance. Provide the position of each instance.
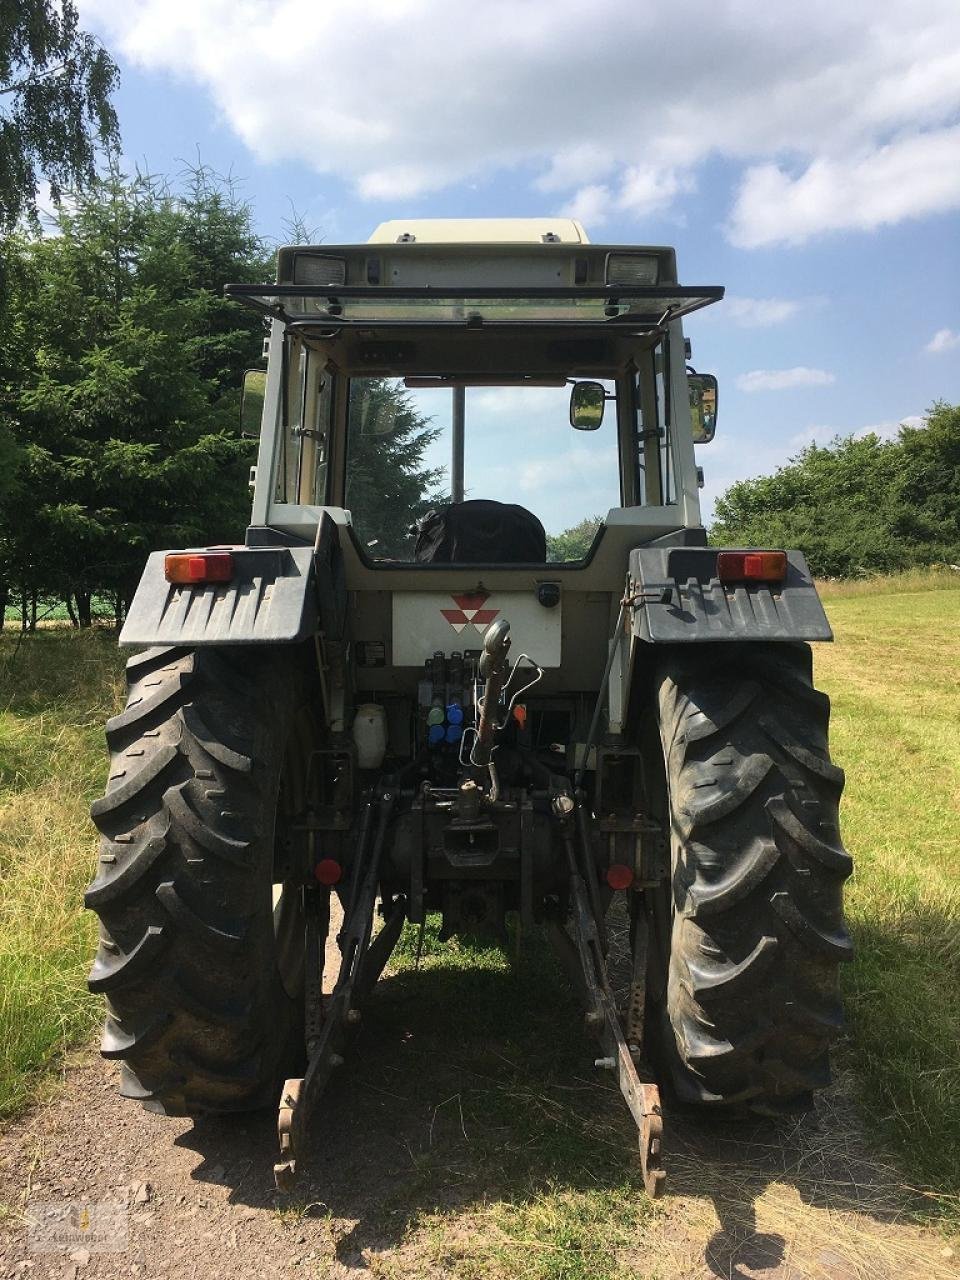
(805, 157)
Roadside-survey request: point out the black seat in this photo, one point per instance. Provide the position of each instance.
(480, 532)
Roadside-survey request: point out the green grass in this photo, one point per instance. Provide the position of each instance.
(894, 680)
(521, 1172)
(56, 690)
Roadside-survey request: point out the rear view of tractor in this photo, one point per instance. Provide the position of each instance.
(391, 696)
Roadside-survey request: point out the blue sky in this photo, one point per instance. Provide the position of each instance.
(808, 160)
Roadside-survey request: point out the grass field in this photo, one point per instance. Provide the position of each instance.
(56, 688)
(895, 685)
(514, 1086)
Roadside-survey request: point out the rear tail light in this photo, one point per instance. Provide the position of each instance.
(619, 875)
(752, 566)
(197, 568)
(328, 871)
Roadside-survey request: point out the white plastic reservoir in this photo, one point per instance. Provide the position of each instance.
(370, 735)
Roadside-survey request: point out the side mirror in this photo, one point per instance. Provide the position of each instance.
(587, 400)
(251, 402)
(703, 406)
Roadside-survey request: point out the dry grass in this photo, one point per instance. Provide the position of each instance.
(896, 696)
(55, 693)
(938, 577)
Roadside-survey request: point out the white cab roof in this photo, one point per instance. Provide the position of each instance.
(480, 231)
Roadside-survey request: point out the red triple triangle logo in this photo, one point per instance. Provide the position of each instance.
(470, 611)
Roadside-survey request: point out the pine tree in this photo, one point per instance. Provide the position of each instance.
(388, 487)
(126, 417)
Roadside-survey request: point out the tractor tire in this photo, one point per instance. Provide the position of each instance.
(756, 921)
(201, 968)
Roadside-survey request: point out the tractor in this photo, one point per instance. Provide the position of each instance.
(400, 699)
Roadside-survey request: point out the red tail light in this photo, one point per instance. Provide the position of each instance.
(197, 568)
(619, 875)
(328, 871)
(752, 566)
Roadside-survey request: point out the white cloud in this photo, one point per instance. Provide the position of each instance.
(590, 205)
(842, 117)
(47, 209)
(758, 313)
(518, 403)
(784, 379)
(913, 176)
(579, 469)
(818, 434)
(823, 435)
(890, 430)
(648, 188)
(575, 165)
(944, 340)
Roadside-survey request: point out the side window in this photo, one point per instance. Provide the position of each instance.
(315, 449)
(288, 463)
(308, 394)
(668, 488)
(656, 482)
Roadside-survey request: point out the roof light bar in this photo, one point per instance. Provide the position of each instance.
(752, 566)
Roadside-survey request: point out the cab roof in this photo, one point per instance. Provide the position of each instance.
(480, 231)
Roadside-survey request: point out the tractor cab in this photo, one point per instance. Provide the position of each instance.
(495, 414)
(415, 373)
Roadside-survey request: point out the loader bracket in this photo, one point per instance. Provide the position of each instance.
(582, 949)
(331, 1025)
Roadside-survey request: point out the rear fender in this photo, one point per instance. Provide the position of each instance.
(271, 599)
(675, 597)
(278, 595)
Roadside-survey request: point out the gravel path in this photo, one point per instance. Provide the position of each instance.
(201, 1201)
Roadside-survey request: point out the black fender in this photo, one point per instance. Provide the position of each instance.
(674, 596)
(277, 595)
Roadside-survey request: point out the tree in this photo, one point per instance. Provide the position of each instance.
(124, 418)
(55, 110)
(388, 487)
(858, 505)
(14, 361)
(575, 542)
(928, 486)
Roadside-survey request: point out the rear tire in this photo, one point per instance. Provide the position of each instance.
(757, 931)
(202, 977)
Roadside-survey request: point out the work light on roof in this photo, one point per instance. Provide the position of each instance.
(318, 269)
(642, 270)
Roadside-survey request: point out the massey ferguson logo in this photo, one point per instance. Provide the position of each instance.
(470, 612)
